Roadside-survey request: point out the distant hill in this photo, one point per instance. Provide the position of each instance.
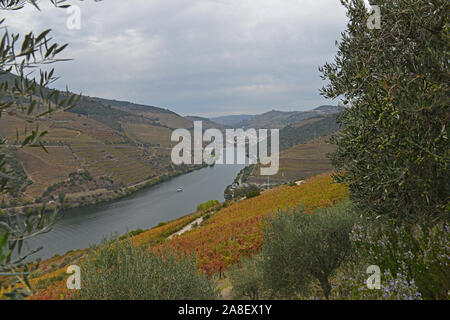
(207, 123)
(307, 130)
(304, 150)
(132, 107)
(102, 146)
(95, 150)
(279, 119)
(299, 162)
(232, 120)
(159, 116)
(114, 112)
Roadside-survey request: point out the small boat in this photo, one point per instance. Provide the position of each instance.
(180, 189)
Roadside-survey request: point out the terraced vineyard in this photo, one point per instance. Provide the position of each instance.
(11, 126)
(44, 168)
(222, 240)
(148, 134)
(126, 147)
(119, 162)
(300, 162)
(88, 126)
(237, 231)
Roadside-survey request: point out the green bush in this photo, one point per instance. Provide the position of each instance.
(132, 234)
(300, 248)
(161, 224)
(207, 205)
(352, 285)
(420, 252)
(252, 194)
(61, 197)
(118, 270)
(238, 193)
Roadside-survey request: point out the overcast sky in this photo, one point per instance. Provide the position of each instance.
(202, 57)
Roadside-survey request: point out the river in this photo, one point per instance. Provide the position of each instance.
(82, 227)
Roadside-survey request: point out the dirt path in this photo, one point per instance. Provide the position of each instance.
(187, 228)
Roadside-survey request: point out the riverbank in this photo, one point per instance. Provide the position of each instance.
(144, 209)
(95, 197)
(230, 231)
(53, 269)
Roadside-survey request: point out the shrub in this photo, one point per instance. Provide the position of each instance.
(61, 197)
(132, 234)
(119, 270)
(300, 247)
(420, 251)
(252, 194)
(353, 286)
(207, 205)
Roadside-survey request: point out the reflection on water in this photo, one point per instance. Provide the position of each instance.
(79, 228)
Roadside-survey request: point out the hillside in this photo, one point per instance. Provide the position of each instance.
(236, 231)
(279, 119)
(306, 130)
(304, 151)
(299, 162)
(101, 148)
(231, 232)
(114, 159)
(232, 120)
(96, 151)
(207, 123)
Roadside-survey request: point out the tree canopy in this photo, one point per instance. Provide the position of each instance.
(393, 149)
(24, 91)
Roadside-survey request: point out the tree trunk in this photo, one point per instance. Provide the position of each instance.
(326, 287)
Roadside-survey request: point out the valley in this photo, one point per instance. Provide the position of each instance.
(268, 192)
(104, 149)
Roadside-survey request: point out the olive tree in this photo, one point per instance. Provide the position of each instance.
(120, 270)
(393, 148)
(247, 278)
(300, 247)
(24, 93)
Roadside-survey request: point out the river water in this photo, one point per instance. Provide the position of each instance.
(80, 228)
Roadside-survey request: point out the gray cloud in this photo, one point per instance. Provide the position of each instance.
(196, 56)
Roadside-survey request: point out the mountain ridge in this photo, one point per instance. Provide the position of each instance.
(275, 119)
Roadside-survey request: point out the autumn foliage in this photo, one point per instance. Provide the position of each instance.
(230, 234)
(237, 231)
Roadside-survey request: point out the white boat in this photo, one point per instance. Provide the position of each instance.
(180, 189)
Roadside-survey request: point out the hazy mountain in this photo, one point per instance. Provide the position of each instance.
(207, 123)
(279, 119)
(232, 120)
(306, 130)
(99, 146)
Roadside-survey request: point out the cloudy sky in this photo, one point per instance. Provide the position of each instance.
(202, 57)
